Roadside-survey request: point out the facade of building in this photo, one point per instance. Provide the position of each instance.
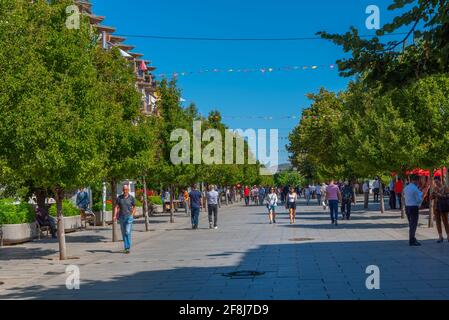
(145, 82)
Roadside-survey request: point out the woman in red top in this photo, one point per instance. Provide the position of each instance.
(246, 194)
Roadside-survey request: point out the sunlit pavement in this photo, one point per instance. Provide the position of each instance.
(310, 260)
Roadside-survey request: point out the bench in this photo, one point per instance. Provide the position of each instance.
(41, 229)
(88, 217)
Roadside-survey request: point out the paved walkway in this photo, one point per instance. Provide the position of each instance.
(310, 260)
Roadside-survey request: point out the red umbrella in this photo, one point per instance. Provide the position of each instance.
(438, 172)
(423, 173)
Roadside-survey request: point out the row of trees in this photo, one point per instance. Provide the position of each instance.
(71, 114)
(393, 116)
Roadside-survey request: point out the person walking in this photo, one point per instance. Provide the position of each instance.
(262, 194)
(392, 201)
(441, 208)
(398, 190)
(318, 194)
(323, 195)
(272, 202)
(292, 198)
(333, 197)
(307, 194)
(124, 213)
(366, 190)
(212, 207)
(246, 195)
(186, 201)
(376, 189)
(413, 200)
(348, 198)
(82, 202)
(195, 205)
(255, 195)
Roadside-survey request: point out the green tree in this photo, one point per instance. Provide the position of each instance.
(289, 178)
(130, 137)
(51, 105)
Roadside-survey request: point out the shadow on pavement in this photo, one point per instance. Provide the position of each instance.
(347, 225)
(304, 271)
(20, 253)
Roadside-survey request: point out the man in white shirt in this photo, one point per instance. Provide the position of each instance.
(212, 205)
(318, 194)
(376, 189)
(366, 193)
(307, 193)
(413, 199)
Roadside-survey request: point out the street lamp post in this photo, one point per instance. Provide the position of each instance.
(145, 204)
(103, 209)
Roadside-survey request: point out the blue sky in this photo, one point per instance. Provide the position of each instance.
(277, 94)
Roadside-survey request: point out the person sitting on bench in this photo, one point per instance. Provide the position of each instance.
(44, 219)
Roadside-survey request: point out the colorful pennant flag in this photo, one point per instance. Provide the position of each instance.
(262, 70)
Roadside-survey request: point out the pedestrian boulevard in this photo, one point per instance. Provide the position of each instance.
(246, 258)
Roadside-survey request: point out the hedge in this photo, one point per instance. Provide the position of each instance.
(11, 213)
(156, 200)
(68, 209)
(98, 207)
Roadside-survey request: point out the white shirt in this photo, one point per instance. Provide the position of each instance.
(323, 189)
(292, 197)
(212, 197)
(413, 196)
(376, 184)
(272, 199)
(365, 187)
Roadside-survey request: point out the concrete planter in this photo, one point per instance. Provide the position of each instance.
(72, 224)
(158, 208)
(139, 212)
(18, 233)
(107, 218)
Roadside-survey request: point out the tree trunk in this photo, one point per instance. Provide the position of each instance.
(447, 177)
(145, 205)
(226, 196)
(382, 199)
(41, 195)
(172, 209)
(114, 198)
(61, 234)
(431, 201)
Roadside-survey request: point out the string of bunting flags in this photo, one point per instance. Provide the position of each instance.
(269, 118)
(262, 70)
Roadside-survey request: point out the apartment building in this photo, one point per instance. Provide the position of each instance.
(145, 80)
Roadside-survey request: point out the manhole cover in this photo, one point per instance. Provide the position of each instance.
(51, 273)
(301, 239)
(244, 274)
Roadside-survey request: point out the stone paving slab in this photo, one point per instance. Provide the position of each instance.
(173, 262)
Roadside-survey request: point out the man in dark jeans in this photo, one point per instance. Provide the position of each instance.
(124, 213)
(376, 189)
(195, 198)
(45, 220)
(212, 206)
(348, 199)
(413, 200)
